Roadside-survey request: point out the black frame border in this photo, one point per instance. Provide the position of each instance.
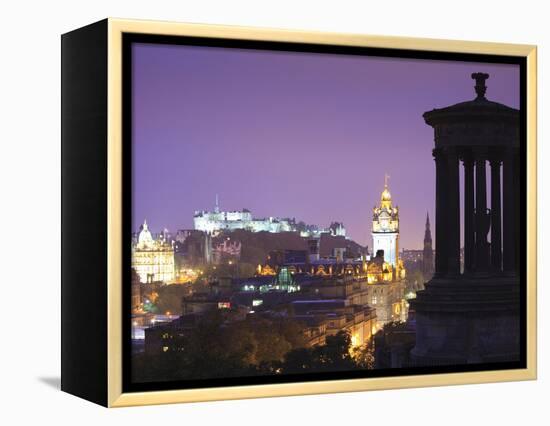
(130, 38)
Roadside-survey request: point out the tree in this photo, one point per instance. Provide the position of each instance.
(364, 356)
(334, 355)
(169, 298)
(217, 347)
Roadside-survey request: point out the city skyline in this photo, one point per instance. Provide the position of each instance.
(289, 134)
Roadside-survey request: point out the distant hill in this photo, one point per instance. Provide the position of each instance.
(329, 243)
(257, 245)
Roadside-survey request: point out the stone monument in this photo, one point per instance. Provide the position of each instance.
(469, 311)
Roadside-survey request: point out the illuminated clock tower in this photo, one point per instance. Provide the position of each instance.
(385, 227)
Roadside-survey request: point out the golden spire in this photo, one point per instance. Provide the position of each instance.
(386, 195)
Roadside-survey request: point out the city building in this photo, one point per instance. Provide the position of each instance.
(167, 336)
(386, 272)
(153, 259)
(217, 220)
(202, 302)
(317, 319)
(377, 281)
(136, 293)
(385, 227)
(192, 247)
(337, 229)
(213, 222)
(411, 256)
(385, 291)
(334, 316)
(227, 249)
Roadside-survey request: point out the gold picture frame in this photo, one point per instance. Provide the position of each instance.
(114, 268)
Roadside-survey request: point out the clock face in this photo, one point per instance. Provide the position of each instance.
(384, 223)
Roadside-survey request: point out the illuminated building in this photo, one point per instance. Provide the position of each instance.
(136, 293)
(385, 227)
(378, 270)
(386, 273)
(385, 291)
(388, 298)
(314, 249)
(265, 270)
(213, 222)
(337, 229)
(226, 250)
(204, 302)
(334, 316)
(268, 279)
(217, 220)
(153, 260)
(411, 256)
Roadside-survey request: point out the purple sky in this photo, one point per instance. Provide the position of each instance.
(289, 134)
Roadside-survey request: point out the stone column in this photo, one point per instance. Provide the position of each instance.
(440, 213)
(496, 233)
(469, 223)
(482, 217)
(509, 210)
(453, 213)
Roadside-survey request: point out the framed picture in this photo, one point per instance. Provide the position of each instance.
(253, 212)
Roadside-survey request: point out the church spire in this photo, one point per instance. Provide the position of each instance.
(217, 207)
(428, 253)
(427, 232)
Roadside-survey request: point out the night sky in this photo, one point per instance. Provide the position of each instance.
(291, 134)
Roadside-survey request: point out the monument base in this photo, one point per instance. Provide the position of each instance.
(467, 320)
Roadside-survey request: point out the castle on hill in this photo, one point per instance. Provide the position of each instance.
(216, 221)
